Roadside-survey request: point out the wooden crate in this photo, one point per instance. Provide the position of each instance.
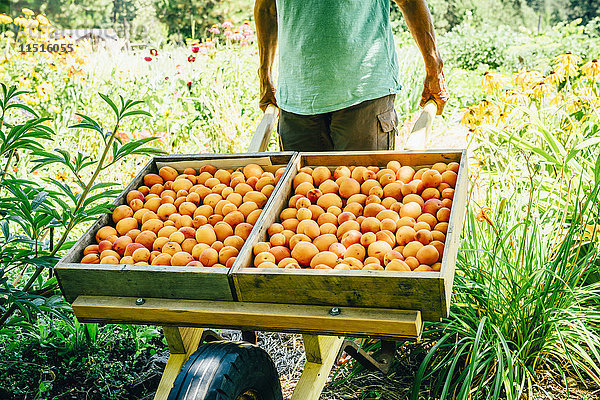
(168, 282)
(428, 292)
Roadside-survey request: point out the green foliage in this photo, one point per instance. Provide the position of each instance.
(30, 213)
(58, 357)
(525, 298)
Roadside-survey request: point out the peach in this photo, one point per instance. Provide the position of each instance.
(443, 214)
(338, 249)
(411, 209)
(313, 195)
(294, 240)
(92, 258)
(206, 234)
(209, 257)
(350, 225)
(392, 255)
(352, 263)
(357, 251)
(290, 224)
(397, 265)
(349, 187)
(323, 242)
(370, 224)
(326, 258)
(405, 174)
(351, 237)
(113, 260)
(379, 249)
(372, 209)
(328, 228)
(91, 249)
(243, 230)
(263, 257)
(121, 244)
(105, 232)
(226, 253)
(134, 194)
(280, 252)
(411, 249)
(303, 252)
(146, 238)
(104, 245)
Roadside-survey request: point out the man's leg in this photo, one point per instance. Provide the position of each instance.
(370, 125)
(304, 132)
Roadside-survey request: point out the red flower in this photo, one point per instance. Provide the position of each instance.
(189, 85)
(191, 59)
(153, 52)
(147, 58)
(195, 49)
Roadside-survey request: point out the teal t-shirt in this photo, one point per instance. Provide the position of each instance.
(334, 54)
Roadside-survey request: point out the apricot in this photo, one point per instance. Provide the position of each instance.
(372, 209)
(109, 259)
(349, 187)
(373, 267)
(121, 212)
(159, 243)
(142, 254)
(334, 210)
(386, 236)
(323, 242)
(357, 251)
(302, 177)
(263, 257)
(121, 244)
(209, 257)
(328, 228)
(105, 232)
(412, 262)
(303, 252)
(329, 187)
(92, 258)
(352, 263)
(255, 197)
(442, 227)
(152, 179)
(411, 249)
(439, 236)
(125, 225)
(280, 252)
(367, 238)
(234, 218)
(350, 238)
(309, 227)
(171, 248)
(234, 241)
(397, 265)
(327, 258)
(252, 170)
(105, 245)
(290, 224)
(379, 249)
(411, 209)
(91, 249)
(350, 225)
(392, 255)
(424, 236)
(153, 225)
(303, 213)
(371, 224)
(338, 249)
(388, 224)
(134, 194)
(443, 214)
(243, 230)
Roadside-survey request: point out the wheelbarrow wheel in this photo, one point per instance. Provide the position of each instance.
(225, 370)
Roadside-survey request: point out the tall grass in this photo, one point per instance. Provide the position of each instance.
(526, 298)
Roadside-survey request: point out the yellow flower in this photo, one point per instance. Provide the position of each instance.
(554, 77)
(54, 109)
(5, 19)
(484, 215)
(27, 12)
(20, 21)
(469, 118)
(542, 88)
(567, 64)
(591, 69)
(34, 23)
(491, 82)
(525, 79)
(587, 95)
(488, 112)
(45, 90)
(513, 96)
(43, 20)
(24, 82)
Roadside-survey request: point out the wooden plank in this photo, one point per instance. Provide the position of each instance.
(77, 279)
(144, 281)
(359, 322)
(182, 343)
(421, 131)
(262, 135)
(455, 225)
(321, 353)
(423, 291)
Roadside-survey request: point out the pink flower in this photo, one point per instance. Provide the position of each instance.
(143, 134)
(162, 136)
(195, 49)
(209, 44)
(227, 24)
(203, 50)
(148, 58)
(153, 52)
(214, 30)
(237, 36)
(228, 33)
(191, 59)
(124, 136)
(244, 43)
(166, 78)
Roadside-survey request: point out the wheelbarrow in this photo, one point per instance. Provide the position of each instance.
(324, 307)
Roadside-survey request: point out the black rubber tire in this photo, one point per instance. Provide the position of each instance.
(223, 370)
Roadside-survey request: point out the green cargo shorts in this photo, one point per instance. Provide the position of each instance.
(370, 125)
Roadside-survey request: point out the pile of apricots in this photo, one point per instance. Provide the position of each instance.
(363, 218)
(197, 218)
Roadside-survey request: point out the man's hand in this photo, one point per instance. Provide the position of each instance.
(435, 89)
(267, 93)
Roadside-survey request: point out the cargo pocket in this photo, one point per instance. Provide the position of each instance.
(388, 123)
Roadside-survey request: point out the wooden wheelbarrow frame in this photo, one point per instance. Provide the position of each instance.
(323, 328)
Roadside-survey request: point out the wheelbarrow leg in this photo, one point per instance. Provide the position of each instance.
(321, 355)
(182, 343)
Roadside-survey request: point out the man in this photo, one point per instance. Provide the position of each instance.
(338, 70)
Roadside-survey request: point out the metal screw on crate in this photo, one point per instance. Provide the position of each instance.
(140, 301)
(335, 311)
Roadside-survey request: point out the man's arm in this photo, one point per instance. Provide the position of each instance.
(265, 16)
(418, 19)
